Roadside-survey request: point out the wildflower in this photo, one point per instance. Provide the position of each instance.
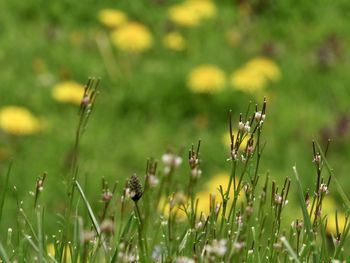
(184, 16)
(184, 260)
(248, 80)
(238, 246)
(317, 158)
(266, 67)
(217, 247)
(171, 161)
(87, 237)
(68, 92)
(255, 74)
(174, 205)
(152, 180)
(196, 172)
(132, 37)
(203, 8)
(278, 199)
(174, 41)
(51, 251)
(107, 226)
(134, 188)
(206, 79)
(18, 121)
(323, 189)
(259, 116)
(332, 224)
(107, 196)
(212, 188)
(226, 139)
(112, 17)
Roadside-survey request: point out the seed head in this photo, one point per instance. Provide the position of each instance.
(135, 188)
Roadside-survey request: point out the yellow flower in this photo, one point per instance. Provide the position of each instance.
(112, 17)
(50, 248)
(18, 121)
(174, 41)
(226, 139)
(332, 225)
(177, 201)
(266, 67)
(206, 79)
(247, 79)
(183, 15)
(203, 8)
(212, 188)
(191, 12)
(133, 37)
(255, 74)
(68, 92)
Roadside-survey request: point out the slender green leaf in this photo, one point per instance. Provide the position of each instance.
(3, 254)
(307, 221)
(88, 207)
(4, 191)
(290, 249)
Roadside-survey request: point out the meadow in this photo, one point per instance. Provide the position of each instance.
(170, 72)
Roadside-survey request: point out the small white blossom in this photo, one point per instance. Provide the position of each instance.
(184, 260)
(153, 181)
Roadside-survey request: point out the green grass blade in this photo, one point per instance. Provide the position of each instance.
(290, 249)
(4, 191)
(334, 179)
(88, 207)
(307, 221)
(3, 254)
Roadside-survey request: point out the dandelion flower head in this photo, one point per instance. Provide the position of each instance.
(226, 139)
(206, 79)
(255, 74)
(174, 41)
(183, 15)
(204, 8)
(132, 37)
(266, 67)
(112, 17)
(176, 203)
(18, 121)
(68, 92)
(332, 223)
(212, 188)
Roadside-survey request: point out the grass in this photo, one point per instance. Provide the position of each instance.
(134, 225)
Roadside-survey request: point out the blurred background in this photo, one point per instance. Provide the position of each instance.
(170, 72)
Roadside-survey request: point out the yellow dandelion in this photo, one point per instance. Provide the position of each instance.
(112, 17)
(18, 121)
(50, 248)
(206, 79)
(328, 207)
(68, 92)
(212, 188)
(226, 139)
(203, 8)
(132, 37)
(332, 225)
(255, 74)
(177, 202)
(183, 15)
(247, 79)
(174, 41)
(266, 67)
